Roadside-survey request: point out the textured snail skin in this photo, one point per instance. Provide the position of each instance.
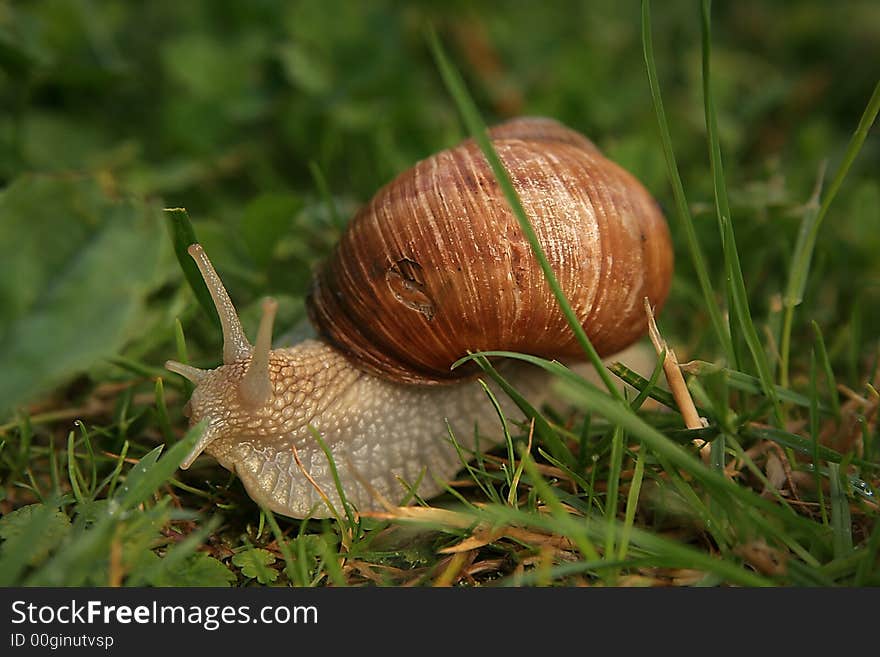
(378, 432)
(262, 408)
(433, 267)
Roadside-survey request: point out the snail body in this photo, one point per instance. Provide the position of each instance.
(433, 267)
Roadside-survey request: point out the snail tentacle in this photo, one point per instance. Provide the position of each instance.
(256, 386)
(193, 374)
(235, 342)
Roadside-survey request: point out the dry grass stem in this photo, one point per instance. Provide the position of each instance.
(674, 377)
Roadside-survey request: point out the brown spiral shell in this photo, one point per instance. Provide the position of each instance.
(435, 265)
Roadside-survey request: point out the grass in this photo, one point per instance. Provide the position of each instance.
(609, 489)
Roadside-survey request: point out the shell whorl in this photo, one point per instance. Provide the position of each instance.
(436, 264)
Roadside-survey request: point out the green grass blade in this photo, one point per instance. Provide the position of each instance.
(139, 369)
(670, 552)
(800, 267)
(337, 482)
(721, 488)
(747, 326)
(841, 522)
(477, 129)
(632, 503)
(543, 576)
(830, 380)
(722, 205)
(736, 288)
(112, 479)
(645, 392)
(542, 427)
(283, 545)
(814, 436)
(749, 383)
(557, 511)
(54, 474)
(684, 216)
(640, 383)
(510, 466)
(709, 509)
(87, 441)
(803, 445)
(182, 235)
(330, 562)
(150, 472)
(477, 473)
(812, 222)
(556, 368)
(797, 280)
(72, 470)
(613, 483)
(182, 355)
(180, 342)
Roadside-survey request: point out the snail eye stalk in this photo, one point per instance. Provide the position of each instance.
(235, 342)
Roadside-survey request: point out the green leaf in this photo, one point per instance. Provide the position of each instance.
(198, 569)
(149, 569)
(54, 527)
(90, 511)
(182, 236)
(73, 280)
(686, 222)
(255, 562)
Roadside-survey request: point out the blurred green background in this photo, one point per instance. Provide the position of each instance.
(242, 111)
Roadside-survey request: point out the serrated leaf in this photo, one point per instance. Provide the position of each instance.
(148, 567)
(73, 280)
(90, 511)
(199, 569)
(54, 527)
(255, 562)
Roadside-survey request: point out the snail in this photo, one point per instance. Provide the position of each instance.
(434, 266)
